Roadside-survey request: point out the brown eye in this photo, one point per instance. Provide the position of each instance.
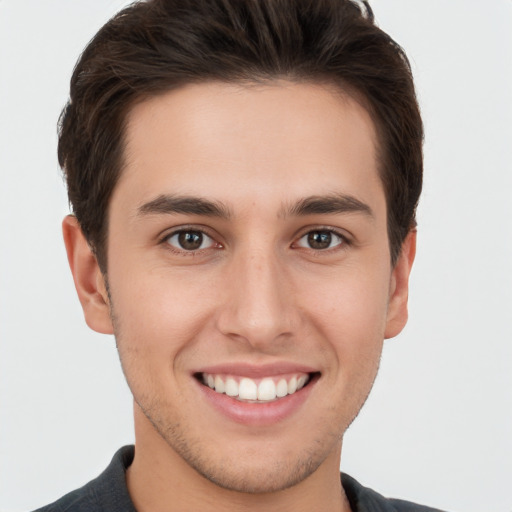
(190, 240)
(320, 240)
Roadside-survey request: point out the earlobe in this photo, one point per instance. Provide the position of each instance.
(89, 281)
(399, 287)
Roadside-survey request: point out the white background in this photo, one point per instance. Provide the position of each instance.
(437, 428)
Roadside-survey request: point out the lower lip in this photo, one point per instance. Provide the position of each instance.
(258, 414)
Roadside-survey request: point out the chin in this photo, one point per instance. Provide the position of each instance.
(254, 466)
(261, 477)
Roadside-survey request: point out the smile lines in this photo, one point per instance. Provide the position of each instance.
(264, 390)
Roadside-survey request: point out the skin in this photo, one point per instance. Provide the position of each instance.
(256, 292)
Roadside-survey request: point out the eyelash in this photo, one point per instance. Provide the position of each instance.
(344, 240)
(166, 241)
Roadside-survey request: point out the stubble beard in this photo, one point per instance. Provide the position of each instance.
(276, 475)
(237, 475)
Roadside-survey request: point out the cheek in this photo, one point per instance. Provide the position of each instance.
(353, 301)
(158, 315)
(156, 320)
(350, 312)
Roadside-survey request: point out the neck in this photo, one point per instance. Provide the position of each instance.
(159, 480)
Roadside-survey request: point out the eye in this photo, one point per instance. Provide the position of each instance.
(190, 240)
(321, 239)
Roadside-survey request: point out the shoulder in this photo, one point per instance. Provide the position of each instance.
(106, 493)
(364, 499)
(407, 506)
(79, 500)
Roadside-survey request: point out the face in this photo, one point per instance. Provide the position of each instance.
(250, 285)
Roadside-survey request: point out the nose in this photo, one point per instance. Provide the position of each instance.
(259, 306)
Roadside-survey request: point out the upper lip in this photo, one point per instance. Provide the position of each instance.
(256, 371)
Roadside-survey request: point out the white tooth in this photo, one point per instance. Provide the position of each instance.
(231, 387)
(211, 381)
(301, 381)
(248, 389)
(219, 385)
(282, 388)
(292, 385)
(267, 390)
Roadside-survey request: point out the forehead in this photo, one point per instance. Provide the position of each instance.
(249, 141)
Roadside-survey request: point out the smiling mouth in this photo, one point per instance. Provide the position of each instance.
(263, 390)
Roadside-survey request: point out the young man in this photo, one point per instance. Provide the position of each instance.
(244, 176)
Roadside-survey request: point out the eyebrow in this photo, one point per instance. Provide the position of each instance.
(329, 204)
(312, 205)
(171, 204)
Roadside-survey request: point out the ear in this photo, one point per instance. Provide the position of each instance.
(399, 287)
(89, 281)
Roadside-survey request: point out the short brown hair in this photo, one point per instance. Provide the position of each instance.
(155, 46)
